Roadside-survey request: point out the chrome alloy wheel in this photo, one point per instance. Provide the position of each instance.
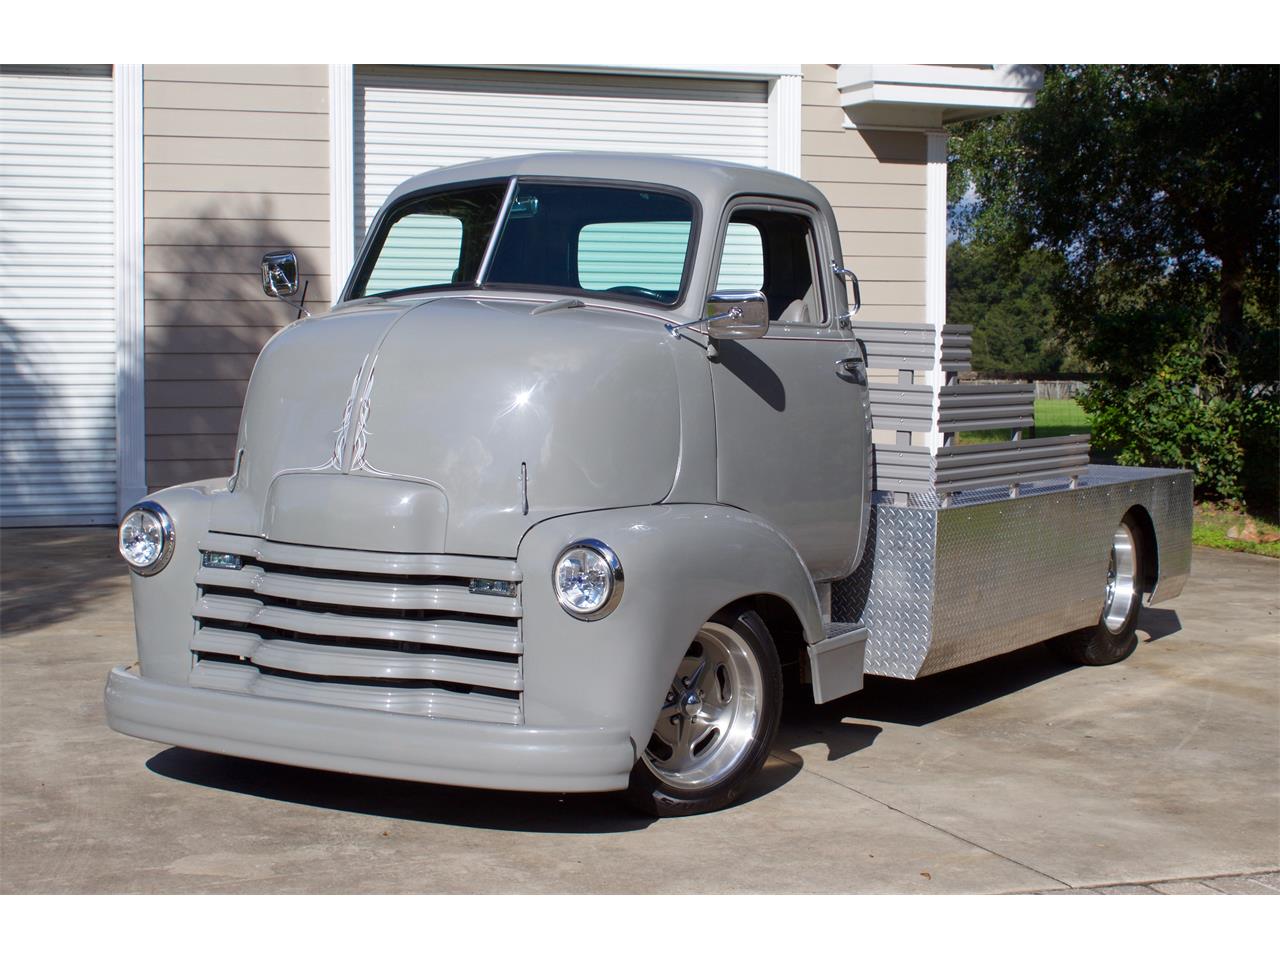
(1122, 579)
(711, 714)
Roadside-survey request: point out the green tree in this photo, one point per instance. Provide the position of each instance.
(1009, 304)
(1158, 188)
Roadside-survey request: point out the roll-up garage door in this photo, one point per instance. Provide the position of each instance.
(57, 306)
(410, 120)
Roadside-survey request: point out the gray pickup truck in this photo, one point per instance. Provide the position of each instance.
(578, 476)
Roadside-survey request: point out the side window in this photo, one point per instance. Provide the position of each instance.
(421, 250)
(775, 252)
(742, 260)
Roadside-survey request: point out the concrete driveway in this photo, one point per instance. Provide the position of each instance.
(1014, 775)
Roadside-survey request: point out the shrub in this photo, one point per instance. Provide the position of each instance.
(1182, 414)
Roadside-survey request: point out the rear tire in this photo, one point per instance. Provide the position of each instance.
(717, 722)
(1115, 637)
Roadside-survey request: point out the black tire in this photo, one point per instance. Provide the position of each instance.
(654, 794)
(1104, 644)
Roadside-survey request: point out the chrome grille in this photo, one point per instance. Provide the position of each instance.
(377, 631)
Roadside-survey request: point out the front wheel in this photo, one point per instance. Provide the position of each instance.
(1116, 636)
(717, 720)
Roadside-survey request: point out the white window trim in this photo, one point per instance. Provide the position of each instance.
(131, 418)
(342, 162)
(784, 134)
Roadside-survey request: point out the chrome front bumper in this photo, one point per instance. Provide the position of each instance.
(372, 743)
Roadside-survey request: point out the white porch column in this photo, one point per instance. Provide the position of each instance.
(935, 265)
(784, 123)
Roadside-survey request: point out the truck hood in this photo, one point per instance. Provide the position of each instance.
(451, 425)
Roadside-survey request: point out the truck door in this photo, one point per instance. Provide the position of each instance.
(792, 429)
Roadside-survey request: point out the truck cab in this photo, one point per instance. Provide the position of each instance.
(551, 499)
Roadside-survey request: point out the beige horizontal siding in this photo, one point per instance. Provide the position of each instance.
(172, 258)
(173, 204)
(886, 146)
(193, 447)
(854, 219)
(891, 268)
(817, 169)
(163, 421)
(875, 182)
(224, 178)
(883, 245)
(198, 366)
(229, 313)
(896, 196)
(235, 164)
(273, 74)
(204, 227)
(248, 124)
(187, 393)
(235, 97)
(165, 473)
(229, 286)
(233, 151)
(162, 341)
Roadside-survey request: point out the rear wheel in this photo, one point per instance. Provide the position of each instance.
(1115, 637)
(717, 720)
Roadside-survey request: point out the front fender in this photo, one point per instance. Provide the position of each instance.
(163, 603)
(681, 564)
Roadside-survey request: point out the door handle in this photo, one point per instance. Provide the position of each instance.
(853, 369)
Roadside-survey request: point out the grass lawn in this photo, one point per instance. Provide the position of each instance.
(1210, 524)
(1054, 418)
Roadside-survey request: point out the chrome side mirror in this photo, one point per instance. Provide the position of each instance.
(737, 316)
(280, 274)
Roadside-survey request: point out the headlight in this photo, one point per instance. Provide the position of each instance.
(146, 538)
(588, 580)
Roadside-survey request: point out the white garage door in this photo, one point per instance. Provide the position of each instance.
(411, 120)
(57, 306)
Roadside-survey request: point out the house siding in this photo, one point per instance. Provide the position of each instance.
(236, 162)
(875, 181)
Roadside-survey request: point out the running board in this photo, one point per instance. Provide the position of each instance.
(835, 663)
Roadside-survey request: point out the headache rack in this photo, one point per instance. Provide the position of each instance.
(911, 466)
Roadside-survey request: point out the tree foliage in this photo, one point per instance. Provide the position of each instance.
(1157, 186)
(1009, 304)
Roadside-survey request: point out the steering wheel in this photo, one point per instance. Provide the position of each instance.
(639, 292)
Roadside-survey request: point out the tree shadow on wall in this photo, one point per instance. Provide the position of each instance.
(207, 319)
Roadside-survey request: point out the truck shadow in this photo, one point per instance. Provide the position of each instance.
(431, 803)
(399, 799)
(917, 703)
(1158, 624)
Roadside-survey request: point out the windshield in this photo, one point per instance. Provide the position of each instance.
(612, 241)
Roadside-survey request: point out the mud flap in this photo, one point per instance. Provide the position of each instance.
(836, 663)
